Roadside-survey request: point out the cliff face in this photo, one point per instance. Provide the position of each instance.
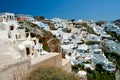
(50, 23)
(54, 44)
(50, 43)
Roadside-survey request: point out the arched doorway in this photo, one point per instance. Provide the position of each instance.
(27, 34)
(27, 51)
(34, 41)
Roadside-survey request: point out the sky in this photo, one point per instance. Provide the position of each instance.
(67, 9)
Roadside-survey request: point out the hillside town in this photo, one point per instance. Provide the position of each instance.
(78, 42)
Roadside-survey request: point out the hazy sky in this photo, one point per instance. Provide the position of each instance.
(69, 9)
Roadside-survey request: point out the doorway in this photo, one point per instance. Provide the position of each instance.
(27, 34)
(11, 28)
(27, 51)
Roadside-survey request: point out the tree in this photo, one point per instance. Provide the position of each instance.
(72, 20)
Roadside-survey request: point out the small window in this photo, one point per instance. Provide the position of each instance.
(27, 34)
(9, 36)
(69, 54)
(27, 51)
(4, 17)
(34, 42)
(11, 27)
(16, 36)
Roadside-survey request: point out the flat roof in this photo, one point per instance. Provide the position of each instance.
(42, 58)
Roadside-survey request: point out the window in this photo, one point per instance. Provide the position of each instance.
(69, 54)
(9, 36)
(34, 42)
(4, 17)
(11, 27)
(27, 51)
(16, 36)
(27, 34)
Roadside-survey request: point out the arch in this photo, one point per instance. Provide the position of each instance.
(27, 51)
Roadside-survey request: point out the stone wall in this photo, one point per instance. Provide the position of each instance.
(66, 65)
(15, 70)
(18, 69)
(53, 59)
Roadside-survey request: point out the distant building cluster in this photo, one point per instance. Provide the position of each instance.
(81, 42)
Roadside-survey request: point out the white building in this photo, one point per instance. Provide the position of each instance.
(30, 47)
(93, 37)
(42, 25)
(9, 30)
(62, 23)
(15, 35)
(82, 75)
(68, 49)
(24, 17)
(7, 16)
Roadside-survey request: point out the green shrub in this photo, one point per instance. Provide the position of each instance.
(90, 29)
(27, 30)
(92, 42)
(51, 73)
(66, 30)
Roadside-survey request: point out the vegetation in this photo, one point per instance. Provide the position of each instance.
(114, 35)
(113, 57)
(54, 45)
(46, 47)
(90, 29)
(39, 18)
(92, 42)
(98, 74)
(117, 22)
(76, 68)
(27, 30)
(72, 20)
(52, 26)
(100, 23)
(32, 25)
(95, 75)
(51, 73)
(66, 30)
